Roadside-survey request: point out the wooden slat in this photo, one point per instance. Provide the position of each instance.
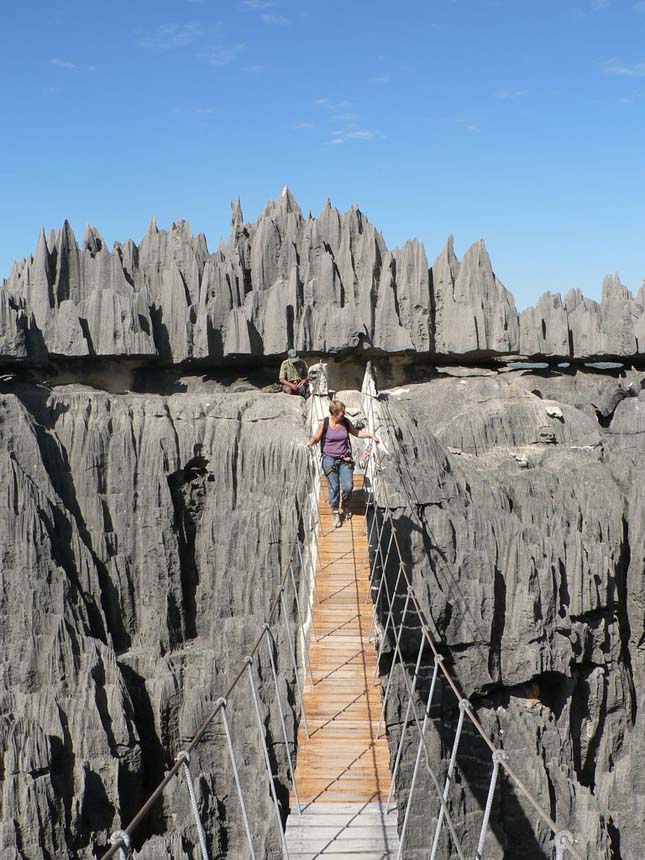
(343, 769)
(343, 759)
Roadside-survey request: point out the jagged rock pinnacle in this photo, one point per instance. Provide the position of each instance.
(324, 283)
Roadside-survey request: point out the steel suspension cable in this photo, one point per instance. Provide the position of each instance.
(185, 760)
(405, 723)
(267, 760)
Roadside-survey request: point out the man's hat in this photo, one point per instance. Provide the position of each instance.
(293, 354)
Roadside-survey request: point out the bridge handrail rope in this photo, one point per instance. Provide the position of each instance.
(308, 519)
(563, 839)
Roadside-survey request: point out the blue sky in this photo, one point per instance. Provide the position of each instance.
(515, 121)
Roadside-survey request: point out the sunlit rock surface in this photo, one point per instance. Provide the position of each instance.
(147, 520)
(142, 542)
(521, 509)
(324, 285)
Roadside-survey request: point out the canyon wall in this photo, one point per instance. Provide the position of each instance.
(143, 540)
(518, 502)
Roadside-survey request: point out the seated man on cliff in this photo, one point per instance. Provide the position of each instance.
(293, 375)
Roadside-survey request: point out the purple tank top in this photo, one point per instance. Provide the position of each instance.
(337, 441)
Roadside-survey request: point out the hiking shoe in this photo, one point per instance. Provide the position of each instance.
(337, 520)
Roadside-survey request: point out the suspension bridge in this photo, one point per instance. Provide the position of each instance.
(343, 802)
(343, 771)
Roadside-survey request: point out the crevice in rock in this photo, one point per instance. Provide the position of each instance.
(553, 801)
(54, 458)
(608, 399)
(255, 337)
(290, 324)
(621, 572)
(97, 811)
(614, 839)
(61, 537)
(604, 420)
(222, 827)
(158, 374)
(62, 770)
(87, 335)
(497, 626)
(395, 291)
(188, 488)
(552, 689)
(160, 333)
(282, 791)
(565, 597)
(247, 281)
(432, 311)
(152, 752)
(235, 459)
(102, 706)
(59, 530)
(584, 759)
(593, 617)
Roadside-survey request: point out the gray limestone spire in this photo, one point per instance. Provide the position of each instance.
(92, 240)
(237, 217)
(329, 278)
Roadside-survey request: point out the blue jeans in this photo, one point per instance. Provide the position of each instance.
(340, 475)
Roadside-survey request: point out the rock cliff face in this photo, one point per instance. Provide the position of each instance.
(142, 541)
(521, 506)
(141, 544)
(326, 285)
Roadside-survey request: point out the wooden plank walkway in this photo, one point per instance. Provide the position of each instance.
(343, 831)
(342, 773)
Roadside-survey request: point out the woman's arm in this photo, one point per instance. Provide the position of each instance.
(361, 434)
(316, 436)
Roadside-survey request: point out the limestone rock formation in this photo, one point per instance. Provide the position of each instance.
(14, 342)
(148, 533)
(143, 534)
(325, 284)
(521, 511)
(544, 329)
(142, 540)
(475, 314)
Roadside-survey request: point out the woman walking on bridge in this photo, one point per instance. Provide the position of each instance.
(338, 466)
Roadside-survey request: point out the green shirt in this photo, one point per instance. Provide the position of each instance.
(293, 371)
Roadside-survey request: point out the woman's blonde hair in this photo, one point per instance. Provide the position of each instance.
(336, 406)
